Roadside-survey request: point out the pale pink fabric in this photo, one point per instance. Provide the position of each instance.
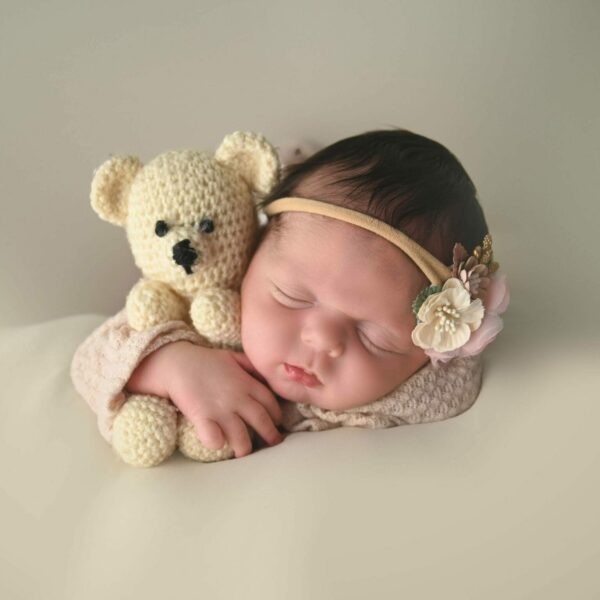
(103, 364)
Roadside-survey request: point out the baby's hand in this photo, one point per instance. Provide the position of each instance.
(216, 392)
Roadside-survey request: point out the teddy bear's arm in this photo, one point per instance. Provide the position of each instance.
(216, 315)
(151, 303)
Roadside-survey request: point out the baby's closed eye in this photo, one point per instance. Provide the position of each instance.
(372, 345)
(296, 303)
(286, 299)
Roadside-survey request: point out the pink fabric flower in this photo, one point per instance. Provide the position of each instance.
(496, 302)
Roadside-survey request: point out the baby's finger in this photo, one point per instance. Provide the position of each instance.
(245, 363)
(256, 415)
(237, 435)
(266, 397)
(210, 434)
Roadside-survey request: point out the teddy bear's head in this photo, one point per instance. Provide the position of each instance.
(190, 216)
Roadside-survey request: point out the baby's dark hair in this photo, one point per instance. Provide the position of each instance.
(404, 179)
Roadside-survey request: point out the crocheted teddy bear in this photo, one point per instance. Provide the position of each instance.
(192, 224)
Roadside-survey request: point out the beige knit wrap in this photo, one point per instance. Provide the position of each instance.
(431, 394)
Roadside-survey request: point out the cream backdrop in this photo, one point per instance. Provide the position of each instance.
(500, 502)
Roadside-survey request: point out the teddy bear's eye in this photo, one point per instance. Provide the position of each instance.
(161, 228)
(206, 226)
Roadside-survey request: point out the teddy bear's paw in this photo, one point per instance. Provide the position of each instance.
(145, 431)
(216, 314)
(190, 446)
(151, 303)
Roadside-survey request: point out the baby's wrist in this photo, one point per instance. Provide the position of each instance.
(179, 364)
(154, 374)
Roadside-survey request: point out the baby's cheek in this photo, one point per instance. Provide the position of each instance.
(279, 330)
(260, 326)
(251, 326)
(370, 378)
(349, 385)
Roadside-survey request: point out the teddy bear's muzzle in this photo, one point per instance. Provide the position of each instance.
(185, 255)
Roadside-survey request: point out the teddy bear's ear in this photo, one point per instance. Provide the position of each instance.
(110, 187)
(253, 157)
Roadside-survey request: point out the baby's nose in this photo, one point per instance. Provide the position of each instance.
(335, 352)
(327, 339)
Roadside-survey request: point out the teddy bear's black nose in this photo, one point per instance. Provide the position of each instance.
(184, 255)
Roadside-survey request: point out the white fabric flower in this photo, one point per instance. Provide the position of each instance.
(448, 318)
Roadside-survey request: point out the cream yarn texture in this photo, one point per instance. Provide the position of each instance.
(145, 430)
(192, 223)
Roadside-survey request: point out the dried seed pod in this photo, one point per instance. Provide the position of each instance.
(473, 286)
(481, 270)
(474, 270)
(459, 254)
(471, 263)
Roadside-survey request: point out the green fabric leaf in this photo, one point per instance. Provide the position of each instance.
(423, 295)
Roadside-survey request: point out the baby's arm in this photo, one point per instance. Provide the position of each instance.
(104, 363)
(105, 360)
(212, 389)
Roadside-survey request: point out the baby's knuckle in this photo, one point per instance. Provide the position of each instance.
(265, 393)
(263, 419)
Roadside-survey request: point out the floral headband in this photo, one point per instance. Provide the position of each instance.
(458, 314)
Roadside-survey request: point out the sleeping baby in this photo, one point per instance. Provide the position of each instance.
(368, 301)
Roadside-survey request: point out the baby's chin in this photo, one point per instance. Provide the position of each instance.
(291, 391)
(299, 394)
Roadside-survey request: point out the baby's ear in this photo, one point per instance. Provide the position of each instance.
(253, 157)
(110, 187)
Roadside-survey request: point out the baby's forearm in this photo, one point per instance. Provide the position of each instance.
(151, 376)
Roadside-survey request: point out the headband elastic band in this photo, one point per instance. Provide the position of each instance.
(434, 270)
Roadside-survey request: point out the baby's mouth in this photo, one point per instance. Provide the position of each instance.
(298, 374)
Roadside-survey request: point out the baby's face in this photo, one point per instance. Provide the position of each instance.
(339, 306)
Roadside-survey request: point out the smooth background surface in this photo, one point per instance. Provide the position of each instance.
(498, 503)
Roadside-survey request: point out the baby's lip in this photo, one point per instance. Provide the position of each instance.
(301, 375)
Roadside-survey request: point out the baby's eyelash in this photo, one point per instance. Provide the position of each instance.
(278, 292)
(369, 343)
